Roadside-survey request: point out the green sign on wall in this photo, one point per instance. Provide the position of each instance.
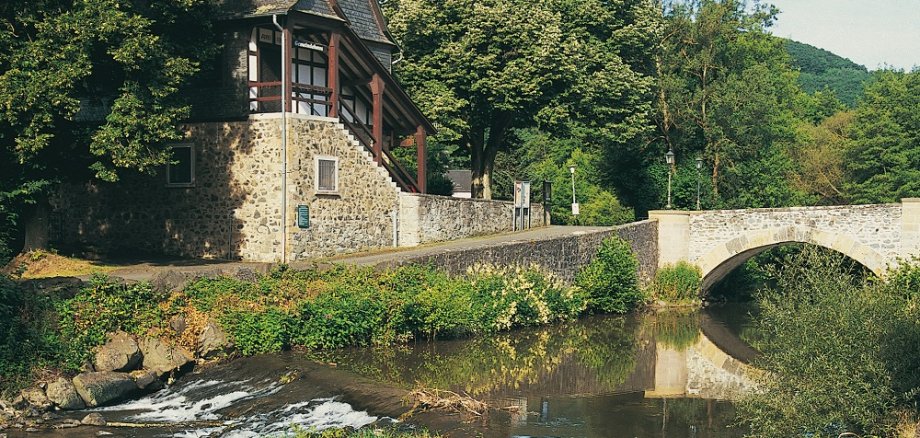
(303, 216)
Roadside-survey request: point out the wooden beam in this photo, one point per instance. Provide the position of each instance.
(421, 145)
(334, 74)
(377, 87)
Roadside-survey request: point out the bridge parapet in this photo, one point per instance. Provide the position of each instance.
(877, 235)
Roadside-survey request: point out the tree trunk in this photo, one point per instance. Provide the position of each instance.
(715, 174)
(477, 186)
(37, 227)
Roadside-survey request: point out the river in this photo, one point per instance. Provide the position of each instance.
(652, 374)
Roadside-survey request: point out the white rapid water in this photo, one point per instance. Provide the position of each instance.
(202, 400)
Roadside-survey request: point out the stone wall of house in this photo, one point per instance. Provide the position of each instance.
(361, 215)
(563, 255)
(431, 218)
(233, 209)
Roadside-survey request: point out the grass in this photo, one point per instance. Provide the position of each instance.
(44, 264)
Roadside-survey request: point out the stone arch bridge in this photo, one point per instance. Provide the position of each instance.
(877, 236)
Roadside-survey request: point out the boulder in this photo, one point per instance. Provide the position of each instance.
(163, 358)
(213, 341)
(120, 353)
(36, 398)
(93, 419)
(62, 393)
(178, 324)
(99, 388)
(144, 378)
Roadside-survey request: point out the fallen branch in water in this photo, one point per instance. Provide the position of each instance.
(447, 400)
(155, 425)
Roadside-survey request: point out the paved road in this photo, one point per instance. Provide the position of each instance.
(149, 270)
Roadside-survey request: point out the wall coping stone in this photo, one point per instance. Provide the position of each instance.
(451, 198)
(271, 116)
(791, 209)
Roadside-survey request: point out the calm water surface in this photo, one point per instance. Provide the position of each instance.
(656, 374)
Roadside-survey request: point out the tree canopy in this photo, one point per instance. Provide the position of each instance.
(93, 84)
(482, 69)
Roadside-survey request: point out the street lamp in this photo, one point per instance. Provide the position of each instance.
(699, 168)
(574, 203)
(669, 158)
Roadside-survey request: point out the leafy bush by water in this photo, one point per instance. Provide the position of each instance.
(610, 280)
(680, 283)
(101, 308)
(841, 352)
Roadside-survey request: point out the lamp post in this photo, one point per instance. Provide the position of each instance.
(699, 168)
(575, 209)
(669, 158)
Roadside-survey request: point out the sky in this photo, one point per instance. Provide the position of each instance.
(874, 33)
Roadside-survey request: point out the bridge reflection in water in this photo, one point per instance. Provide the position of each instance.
(639, 375)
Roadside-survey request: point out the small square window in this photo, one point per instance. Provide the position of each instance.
(327, 174)
(180, 171)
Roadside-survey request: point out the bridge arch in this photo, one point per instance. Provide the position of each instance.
(728, 255)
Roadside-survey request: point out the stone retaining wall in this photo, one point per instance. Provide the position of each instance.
(430, 218)
(563, 256)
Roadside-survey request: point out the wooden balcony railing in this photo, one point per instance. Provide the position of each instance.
(267, 99)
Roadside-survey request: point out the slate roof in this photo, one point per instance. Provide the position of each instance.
(366, 19)
(364, 16)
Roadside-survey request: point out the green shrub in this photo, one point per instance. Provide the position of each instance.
(678, 283)
(841, 353)
(610, 280)
(28, 336)
(105, 307)
(258, 332)
(347, 315)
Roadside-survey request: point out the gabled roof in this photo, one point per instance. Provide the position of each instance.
(363, 16)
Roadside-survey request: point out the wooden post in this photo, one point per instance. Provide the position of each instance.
(421, 146)
(333, 70)
(377, 87)
(287, 76)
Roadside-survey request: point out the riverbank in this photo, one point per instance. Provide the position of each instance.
(120, 340)
(113, 333)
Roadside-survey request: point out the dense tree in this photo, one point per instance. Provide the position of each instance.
(482, 69)
(125, 61)
(882, 162)
(727, 93)
(820, 157)
(823, 70)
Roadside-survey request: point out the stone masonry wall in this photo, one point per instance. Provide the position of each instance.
(360, 216)
(233, 210)
(876, 226)
(430, 218)
(563, 256)
(236, 191)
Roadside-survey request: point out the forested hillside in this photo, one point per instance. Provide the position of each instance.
(820, 69)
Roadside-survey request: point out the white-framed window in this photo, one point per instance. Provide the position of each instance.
(180, 171)
(327, 174)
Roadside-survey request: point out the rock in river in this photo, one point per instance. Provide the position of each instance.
(62, 393)
(120, 353)
(213, 341)
(163, 358)
(99, 388)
